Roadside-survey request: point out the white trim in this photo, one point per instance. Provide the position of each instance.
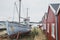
(53, 9)
(48, 28)
(56, 28)
(58, 9)
(52, 32)
(53, 35)
(44, 26)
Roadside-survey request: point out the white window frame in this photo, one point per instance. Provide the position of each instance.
(45, 17)
(52, 30)
(48, 27)
(44, 27)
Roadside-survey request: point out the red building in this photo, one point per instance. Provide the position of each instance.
(58, 23)
(44, 22)
(53, 22)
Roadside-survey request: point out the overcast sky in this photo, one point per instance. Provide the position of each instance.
(36, 10)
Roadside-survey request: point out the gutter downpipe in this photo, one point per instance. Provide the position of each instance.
(56, 27)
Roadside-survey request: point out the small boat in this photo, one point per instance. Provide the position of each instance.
(13, 28)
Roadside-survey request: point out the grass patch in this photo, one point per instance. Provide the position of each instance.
(35, 34)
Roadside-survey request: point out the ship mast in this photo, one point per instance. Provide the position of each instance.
(19, 10)
(27, 12)
(19, 17)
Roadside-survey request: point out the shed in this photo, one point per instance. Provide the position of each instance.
(53, 22)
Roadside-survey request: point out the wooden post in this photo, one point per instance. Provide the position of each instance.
(0, 38)
(17, 36)
(8, 38)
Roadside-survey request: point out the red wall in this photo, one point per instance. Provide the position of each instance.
(50, 20)
(44, 22)
(59, 25)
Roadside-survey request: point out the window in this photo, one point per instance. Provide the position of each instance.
(48, 27)
(52, 33)
(45, 17)
(44, 26)
(2, 25)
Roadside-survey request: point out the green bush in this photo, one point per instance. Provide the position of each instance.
(34, 32)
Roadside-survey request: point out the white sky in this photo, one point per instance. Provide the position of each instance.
(37, 8)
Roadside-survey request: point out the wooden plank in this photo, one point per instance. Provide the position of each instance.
(18, 36)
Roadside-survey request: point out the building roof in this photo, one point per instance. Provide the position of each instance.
(46, 14)
(55, 6)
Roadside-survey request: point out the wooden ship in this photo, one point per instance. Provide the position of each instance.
(15, 29)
